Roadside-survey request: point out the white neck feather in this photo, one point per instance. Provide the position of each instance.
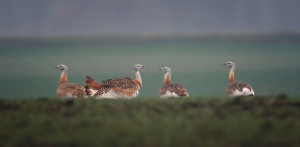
(167, 75)
(138, 76)
(232, 68)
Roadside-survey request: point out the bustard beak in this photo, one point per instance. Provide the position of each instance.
(224, 64)
(160, 69)
(56, 67)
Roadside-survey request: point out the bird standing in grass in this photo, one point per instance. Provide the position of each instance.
(68, 89)
(124, 87)
(235, 88)
(171, 90)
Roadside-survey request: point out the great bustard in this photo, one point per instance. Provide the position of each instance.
(235, 88)
(124, 87)
(171, 90)
(68, 89)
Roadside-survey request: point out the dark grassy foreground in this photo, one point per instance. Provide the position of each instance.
(257, 121)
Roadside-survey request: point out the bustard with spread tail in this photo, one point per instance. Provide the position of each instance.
(124, 87)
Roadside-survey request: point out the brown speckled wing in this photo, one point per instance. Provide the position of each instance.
(75, 90)
(231, 87)
(176, 88)
(124, 86)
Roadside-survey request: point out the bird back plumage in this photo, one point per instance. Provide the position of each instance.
(70, 90)
(119, 86)
(176, 89)
(238, 88)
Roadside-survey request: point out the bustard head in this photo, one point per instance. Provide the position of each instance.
(229, 64)
(137, 67)
(165, 69)
(62, 67)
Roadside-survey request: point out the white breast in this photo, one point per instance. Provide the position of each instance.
(169, 94)
(245, 92)
(113, 95)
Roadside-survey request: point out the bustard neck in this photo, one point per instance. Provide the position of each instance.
(231, 75)
(167, 78)
(138, 78)
(63, 77)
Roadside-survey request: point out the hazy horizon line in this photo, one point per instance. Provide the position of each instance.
(153, 34)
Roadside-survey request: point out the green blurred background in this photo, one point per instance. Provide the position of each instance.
(270, 63)
(104, 39)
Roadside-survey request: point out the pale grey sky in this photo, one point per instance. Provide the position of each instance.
(101, 17)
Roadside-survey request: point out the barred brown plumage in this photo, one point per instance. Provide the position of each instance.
(239, 86)
(171, 90)
(117, 87)
(68, 89)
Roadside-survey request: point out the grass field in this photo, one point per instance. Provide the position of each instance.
(270, 63)
(247, 121)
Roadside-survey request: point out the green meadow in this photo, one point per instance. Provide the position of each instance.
(270, 63)
(198, 121)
